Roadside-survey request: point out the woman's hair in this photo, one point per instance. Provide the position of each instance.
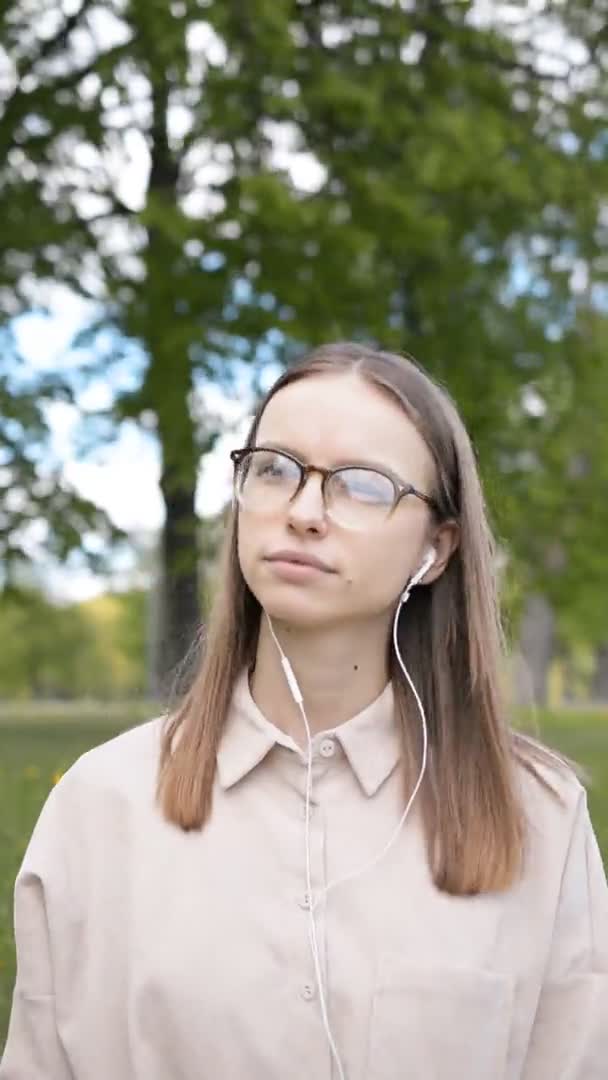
(449, 635)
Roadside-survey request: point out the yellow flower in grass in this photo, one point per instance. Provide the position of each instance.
(57, 776)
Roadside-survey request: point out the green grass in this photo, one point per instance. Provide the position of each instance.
(35, 747)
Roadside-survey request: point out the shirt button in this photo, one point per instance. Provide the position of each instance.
(328, 748)
(308, 991)
(304, 900)
(311, 811)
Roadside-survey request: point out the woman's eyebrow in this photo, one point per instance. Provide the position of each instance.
(354, 460)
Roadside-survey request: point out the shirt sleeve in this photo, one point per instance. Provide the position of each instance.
(569, 1038)
(33, 1049)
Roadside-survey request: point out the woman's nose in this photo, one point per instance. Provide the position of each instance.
(308, 508)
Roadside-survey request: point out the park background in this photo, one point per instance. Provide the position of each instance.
(193, 193)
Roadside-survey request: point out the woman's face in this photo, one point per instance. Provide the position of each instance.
(331, 420)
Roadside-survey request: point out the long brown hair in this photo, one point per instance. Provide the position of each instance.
(450, 637)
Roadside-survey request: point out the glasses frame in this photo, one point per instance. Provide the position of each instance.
(399, 488)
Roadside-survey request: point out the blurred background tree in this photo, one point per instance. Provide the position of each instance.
(430, 176)
(95, 649)
(36, 505)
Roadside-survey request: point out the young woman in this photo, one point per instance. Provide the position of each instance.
(335, 858)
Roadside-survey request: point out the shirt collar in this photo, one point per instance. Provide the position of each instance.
(370, 740)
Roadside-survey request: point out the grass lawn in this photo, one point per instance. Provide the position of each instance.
(35, 749)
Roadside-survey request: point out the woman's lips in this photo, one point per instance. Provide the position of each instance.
(296, 558)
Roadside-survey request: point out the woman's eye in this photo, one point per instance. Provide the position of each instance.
(364, 486)
(271, 468)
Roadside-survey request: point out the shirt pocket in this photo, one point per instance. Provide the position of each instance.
(439, 1023)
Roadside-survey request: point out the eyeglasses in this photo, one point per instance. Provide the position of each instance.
(355, 497)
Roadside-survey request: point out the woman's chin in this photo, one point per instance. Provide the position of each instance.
(304, 611)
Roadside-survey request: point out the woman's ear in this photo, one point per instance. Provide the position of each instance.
(444, 542)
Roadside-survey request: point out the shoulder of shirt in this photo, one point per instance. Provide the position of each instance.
(128, 762)
(555, 809)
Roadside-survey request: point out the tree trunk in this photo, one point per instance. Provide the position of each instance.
(153, 625)
(536, 648)
(599, 686)
(179, 585)
(168, 391)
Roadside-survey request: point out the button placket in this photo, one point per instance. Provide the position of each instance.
(308, 985)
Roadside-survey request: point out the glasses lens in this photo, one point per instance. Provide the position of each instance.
(266, 480)
(359, 498)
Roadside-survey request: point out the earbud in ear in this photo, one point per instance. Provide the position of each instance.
(430, 556)
(429, 559)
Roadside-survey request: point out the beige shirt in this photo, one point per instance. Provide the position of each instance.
(146, 953)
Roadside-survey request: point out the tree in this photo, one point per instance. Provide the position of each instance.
(558, 536)
(93, 649)
(454, 181)
(47, 649)
(117, 621)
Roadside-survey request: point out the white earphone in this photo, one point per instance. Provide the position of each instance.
(430, 558)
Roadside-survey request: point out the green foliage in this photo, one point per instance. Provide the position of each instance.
(95, 649)
(559, 511)
(118, 624)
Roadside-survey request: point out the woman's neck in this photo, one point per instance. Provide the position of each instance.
(339, 672)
